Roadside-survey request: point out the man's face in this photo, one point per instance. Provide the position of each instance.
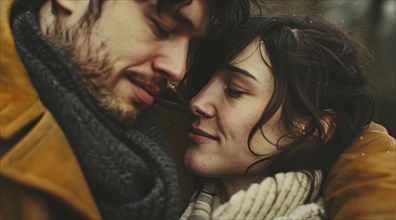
(128, 54)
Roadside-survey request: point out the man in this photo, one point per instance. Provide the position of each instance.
(74, 144)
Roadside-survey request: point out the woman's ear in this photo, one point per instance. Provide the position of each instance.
(66, 6)
(328, 123)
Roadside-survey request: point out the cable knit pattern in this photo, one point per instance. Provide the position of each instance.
(279, 197)
(130, 172)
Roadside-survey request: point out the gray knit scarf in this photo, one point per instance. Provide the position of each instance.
(130, 171)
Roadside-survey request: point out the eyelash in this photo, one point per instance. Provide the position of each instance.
(233, 93)
(160, 31)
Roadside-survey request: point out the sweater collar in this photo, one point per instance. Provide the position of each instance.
(274, 197)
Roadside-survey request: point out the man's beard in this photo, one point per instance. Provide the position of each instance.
(94, 66)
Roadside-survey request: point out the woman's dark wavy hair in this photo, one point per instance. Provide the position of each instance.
(320, 77)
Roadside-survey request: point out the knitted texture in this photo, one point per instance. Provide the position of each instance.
(284, 196)
(130, 172)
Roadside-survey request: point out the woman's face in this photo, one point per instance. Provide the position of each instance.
(226, 110)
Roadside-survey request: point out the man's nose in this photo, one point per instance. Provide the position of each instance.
(172, 59)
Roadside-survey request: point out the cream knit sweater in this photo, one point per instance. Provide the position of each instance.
(279, 197)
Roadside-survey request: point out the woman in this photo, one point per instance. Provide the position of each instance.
(287, 95)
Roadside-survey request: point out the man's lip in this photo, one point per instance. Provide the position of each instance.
(200, 132)
(140, 91)
(142, 95)
(152, 90)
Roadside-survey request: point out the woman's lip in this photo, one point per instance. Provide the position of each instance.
(198, 138)
(199, 135)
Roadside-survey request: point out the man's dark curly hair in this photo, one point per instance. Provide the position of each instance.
(224, 13)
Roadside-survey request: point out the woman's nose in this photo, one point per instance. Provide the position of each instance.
(201, 106)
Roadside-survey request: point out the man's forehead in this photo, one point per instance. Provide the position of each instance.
(194, 15)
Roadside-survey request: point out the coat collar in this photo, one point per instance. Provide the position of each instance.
(40, 156)
(44, 160)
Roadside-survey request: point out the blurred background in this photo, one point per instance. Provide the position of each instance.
(375, 21)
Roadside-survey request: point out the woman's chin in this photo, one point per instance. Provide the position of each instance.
(197, 167)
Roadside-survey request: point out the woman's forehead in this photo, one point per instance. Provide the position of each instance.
(253, 53)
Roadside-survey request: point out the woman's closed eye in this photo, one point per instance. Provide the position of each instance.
(234, 91)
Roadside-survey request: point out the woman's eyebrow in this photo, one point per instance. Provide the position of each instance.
(236, 69)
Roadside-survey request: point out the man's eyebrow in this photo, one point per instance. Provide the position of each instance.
(182, 19)
(235, 69)
(175, 14)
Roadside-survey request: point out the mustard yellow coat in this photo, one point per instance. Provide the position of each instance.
(36, 158)
(37, 161)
